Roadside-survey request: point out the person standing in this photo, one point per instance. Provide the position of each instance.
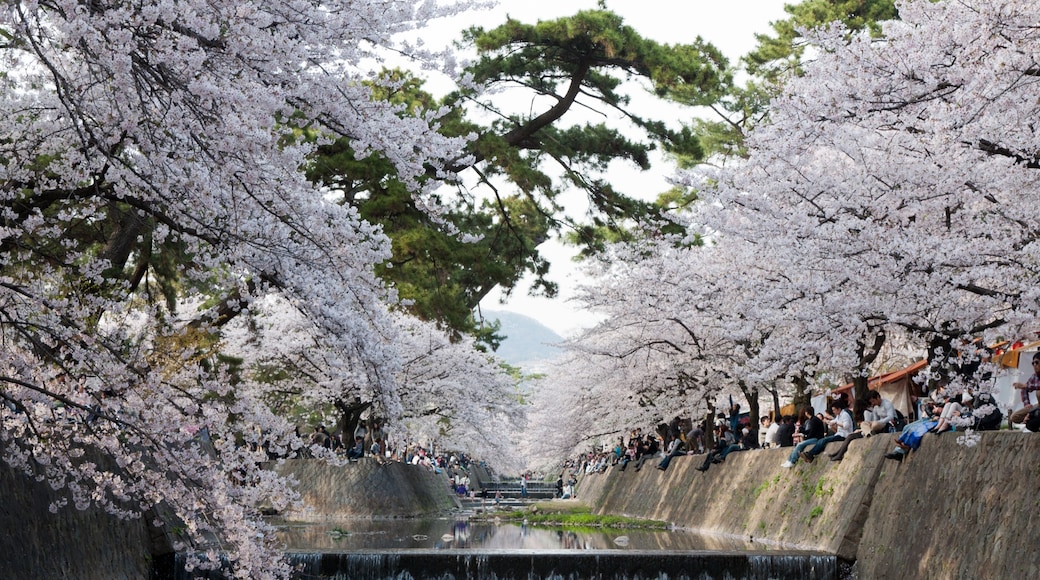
(376, 433)
(568, 490)
(361, 431)
(695, 439)
(734, 418)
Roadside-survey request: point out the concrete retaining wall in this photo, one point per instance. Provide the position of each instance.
(36, 543)
(948, 511)
(366, 489)
(951, 511)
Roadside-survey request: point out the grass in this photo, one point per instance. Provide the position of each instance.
(574, 517)
(822, 491)
(761, 488)
(815, 513)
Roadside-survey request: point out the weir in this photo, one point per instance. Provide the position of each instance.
(555, 565)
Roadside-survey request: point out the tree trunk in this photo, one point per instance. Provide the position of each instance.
(751, 396)
(802, 396)
(350, 414)
(861, 381)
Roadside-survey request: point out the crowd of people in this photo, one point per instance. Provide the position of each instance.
(943, 412)
(809, 433)
(369, 440)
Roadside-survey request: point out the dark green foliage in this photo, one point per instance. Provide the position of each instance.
(523, 163)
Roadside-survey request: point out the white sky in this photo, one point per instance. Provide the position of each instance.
(729, 25)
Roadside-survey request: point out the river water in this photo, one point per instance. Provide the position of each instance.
(450, 534)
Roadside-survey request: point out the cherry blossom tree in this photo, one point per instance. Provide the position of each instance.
(458, 397)
(150, 189)
(896, 182)
(446, 391)
(676, 337)
(891, 193)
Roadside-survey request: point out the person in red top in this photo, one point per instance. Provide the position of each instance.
(1033, 384)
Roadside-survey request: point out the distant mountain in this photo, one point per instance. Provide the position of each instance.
(527, 340)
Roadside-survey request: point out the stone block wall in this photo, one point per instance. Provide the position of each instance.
(36, 543)
(807, 507)
(948, 511)
(366, 489)
(951, 512)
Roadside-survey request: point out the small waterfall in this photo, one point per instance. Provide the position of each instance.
(552, 565)
(793, 566)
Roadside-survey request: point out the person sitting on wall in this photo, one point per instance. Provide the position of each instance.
(841, 423)
(911, 436)
(723, 439)
(651, 447)
(812, 430)
(357, 450)
(748, 440)
(767, 432)
(785, 432)
(675, 449)
(631, 454)
(877, 419)
(951, 411)
(986, 413)
(320, 437)
(1031, 385)
(619, 450)
(674, 431)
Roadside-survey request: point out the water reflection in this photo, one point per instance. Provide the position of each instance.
(447, 534)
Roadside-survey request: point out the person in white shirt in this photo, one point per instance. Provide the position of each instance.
(769, 430)
(841, 423)
(876, 419)
(879, 416)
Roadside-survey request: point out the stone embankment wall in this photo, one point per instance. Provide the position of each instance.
(366, 489)
(947, 511)
(36, 543)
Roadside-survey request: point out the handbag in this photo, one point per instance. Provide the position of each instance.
(896, 425)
